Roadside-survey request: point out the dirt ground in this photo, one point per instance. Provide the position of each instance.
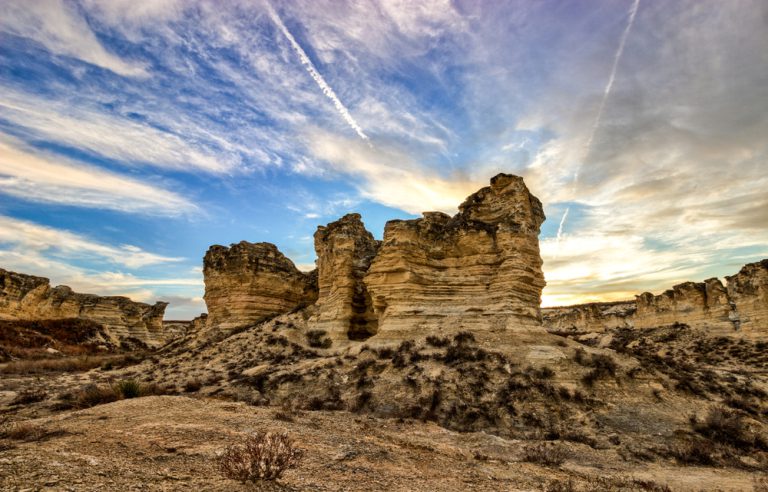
(171, 443)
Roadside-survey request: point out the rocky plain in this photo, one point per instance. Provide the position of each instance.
(419, 362)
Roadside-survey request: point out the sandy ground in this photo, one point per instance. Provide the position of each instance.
(171, 443)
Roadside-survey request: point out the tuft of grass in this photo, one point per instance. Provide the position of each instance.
(548, 454)
(29, 396)
(92, 394)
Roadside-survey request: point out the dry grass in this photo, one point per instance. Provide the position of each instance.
(548, 454)
(92, 394)
(25, 431)
(262, 456)
(69, 364)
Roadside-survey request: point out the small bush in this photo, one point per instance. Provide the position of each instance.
(29, 396)
(727, 426)
(193, 386)
(93, 395)
(317, 339)
(438, 341)
(24, 431)
(262, 456)
(543, 454)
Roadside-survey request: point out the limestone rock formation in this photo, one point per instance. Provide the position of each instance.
(748, 290)
(27, 297)
(247, 282)
(740, 308)
(478, 269)
(345, 250)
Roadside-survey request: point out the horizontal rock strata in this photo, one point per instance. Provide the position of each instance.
(248, 282)
(738, 308)
(478, 269)
(26, 297)
(345, 250)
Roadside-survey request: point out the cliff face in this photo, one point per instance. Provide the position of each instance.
(748, 290)
(345, 250)
(27, 297)
(480, 268)
(246, 282)
(740, 308)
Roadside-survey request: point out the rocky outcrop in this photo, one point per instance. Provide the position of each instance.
(345, 250)
(740, 308)
(26, 297)
(748, 290)
(478, 269)
(248, 282)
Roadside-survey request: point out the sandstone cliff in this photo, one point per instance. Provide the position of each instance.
(247, 282)
(478, 269)
(345, 250)
(740, 308)
(26, 297)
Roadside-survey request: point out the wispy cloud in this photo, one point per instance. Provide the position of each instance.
(33, 176)
(59, 27)
(29, 237)
(105, 134)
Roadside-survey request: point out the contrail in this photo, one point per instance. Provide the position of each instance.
(601, 108)
(562, 223)
(343, 111)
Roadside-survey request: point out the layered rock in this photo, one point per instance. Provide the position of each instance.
(478, 269)
(248, 282)
(748, 290)
(740, 308)
(26, 297)
(345, 250)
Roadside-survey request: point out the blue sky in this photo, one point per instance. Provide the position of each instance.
(136, 133)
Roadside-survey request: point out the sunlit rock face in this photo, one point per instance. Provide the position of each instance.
(247, 282)
(748, 290)
(27, 297)
(478, 269)
(345, 250)
(738, 309)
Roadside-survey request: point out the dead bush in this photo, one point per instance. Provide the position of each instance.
(317, 339)
(727, 426)
(548, 454)
(262, 456)
(29, 396)
(24, 431)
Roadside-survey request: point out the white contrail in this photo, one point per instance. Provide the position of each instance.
(343, 111)
(562, 223)
(609, 85)
(601, 108)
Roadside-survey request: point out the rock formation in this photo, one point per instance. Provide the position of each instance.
(479, 269)
(247, 282)
(345, 250)
(27, 297)
(740, 308)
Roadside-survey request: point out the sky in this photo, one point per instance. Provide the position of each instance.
(136, 133)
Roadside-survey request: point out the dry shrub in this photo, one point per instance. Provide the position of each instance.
(727, 426)
(262, 456)
(92, 394)
(545, 454)
(29, 396)
(24, 431)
